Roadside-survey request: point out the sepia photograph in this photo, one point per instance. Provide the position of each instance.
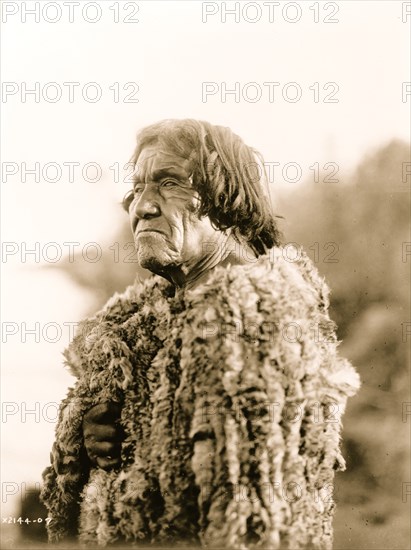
(205, 274)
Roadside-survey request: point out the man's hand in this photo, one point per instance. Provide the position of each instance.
(103, 435)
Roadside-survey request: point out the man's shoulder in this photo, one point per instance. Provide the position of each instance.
(112, 316)
(123, 304)
(283, 273)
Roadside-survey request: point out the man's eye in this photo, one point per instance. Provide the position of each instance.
(169, 183)
(138, 188)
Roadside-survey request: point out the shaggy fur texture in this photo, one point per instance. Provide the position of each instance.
(232, 395)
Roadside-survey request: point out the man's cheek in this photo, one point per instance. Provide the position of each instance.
(183, 202)
(193, 205)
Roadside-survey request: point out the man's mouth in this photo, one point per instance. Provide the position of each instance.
(149, 231)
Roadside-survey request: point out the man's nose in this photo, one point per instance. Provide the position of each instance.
(146, 204)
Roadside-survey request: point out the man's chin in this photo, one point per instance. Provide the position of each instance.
(155, 258)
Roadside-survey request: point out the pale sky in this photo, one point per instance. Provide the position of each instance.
(167, 56)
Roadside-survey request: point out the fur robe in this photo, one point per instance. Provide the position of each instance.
(231, 394)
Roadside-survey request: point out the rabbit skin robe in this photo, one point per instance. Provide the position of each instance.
(232, 395)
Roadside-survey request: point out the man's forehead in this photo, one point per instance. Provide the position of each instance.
(157, 158)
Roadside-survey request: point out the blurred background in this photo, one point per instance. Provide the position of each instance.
(338, 178)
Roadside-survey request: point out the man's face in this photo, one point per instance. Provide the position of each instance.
(166, 229)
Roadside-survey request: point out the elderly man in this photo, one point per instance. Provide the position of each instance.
(208, 398)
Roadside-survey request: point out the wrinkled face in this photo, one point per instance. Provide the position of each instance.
(166, 229)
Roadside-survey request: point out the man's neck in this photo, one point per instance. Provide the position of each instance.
(223, 252)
